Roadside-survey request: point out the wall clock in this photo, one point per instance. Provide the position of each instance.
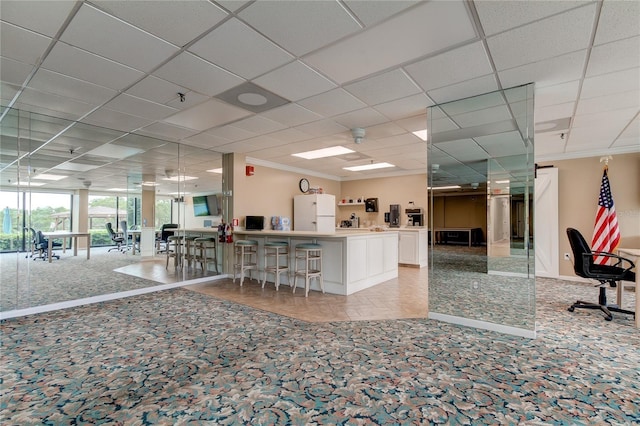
(304, 185)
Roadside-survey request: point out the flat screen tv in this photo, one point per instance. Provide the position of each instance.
(254, 223)
(200, 206)
(213, 201)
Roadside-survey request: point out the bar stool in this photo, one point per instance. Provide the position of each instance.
(275, 249)
(201, 246)
(174, 250)
(308, 265)
(188, 249)
(246, 252)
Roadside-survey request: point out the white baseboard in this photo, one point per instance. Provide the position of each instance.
(484, 325)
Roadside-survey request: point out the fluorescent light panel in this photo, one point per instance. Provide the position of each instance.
(444, 187)
(369, 167)
(422, 134)
(219, 170)
(117, 189)
(45, 176)
(29, 183)
(503, 181)
(180, 178)
(324, 152)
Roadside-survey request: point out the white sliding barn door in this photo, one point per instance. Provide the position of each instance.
(546, 223)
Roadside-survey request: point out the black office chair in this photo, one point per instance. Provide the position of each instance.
(32, 242)
(42, 247)
(585, 267)
(117, 239)
(165, 232)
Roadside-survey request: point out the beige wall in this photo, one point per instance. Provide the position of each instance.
(393, 190)
(463, 211)
(578, 190)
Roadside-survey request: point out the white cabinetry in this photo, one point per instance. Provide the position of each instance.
(412, 247)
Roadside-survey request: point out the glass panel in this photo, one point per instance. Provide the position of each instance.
(481, 174)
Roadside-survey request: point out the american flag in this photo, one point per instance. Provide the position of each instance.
(606, 234)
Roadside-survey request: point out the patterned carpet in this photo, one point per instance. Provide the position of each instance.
(180, 357)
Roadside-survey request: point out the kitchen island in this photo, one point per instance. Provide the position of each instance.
(352, 260)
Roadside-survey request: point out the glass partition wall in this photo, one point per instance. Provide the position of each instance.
(480, 186)
(149, 181)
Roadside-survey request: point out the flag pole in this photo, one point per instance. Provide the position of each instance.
(606, 159)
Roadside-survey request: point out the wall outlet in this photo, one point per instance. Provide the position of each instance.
(567, 256)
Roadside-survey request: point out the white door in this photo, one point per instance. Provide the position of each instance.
(546, 223)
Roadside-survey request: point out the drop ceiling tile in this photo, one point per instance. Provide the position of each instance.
(552, 112)
(473, 104)
(384, 130)
(44, 17)
(230, 133)
(232, 5)
(454, 66)
(558, 94)
(142, 108)
(373, 12)
(592, 138)
(615, 82)
(618, 118)
(166, 131)
(614, 56)
(7, 92)
(384, 87)
(250, 54)
(89, 26)
(300, 26)
(611, 102)
(178, 22)
(294, 81)
(70, 87)
(419, 31)
(488, 115)
(116, 120)
(463, 150)
(496, 17)
(83, 65)
(13, 72)
(477, 86)
(209, 114)
(618, 20)
(405, 107)
(333, 102)
(289, 135)
(55, 102)
(322, 128)
(37, 109)
(191, 98)
(189, 71)
(413, 124)
(549, 72)
(258, 125)
(156, 90)
(502, 144)
(22, 45)
(364, 117)
(292, 115)
(539, 40)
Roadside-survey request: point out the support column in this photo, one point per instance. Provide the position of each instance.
(81, 215)
(148, 236)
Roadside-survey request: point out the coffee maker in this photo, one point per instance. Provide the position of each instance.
(394, 215)
(415, 217)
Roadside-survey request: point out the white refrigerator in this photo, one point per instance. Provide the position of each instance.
(314, 212)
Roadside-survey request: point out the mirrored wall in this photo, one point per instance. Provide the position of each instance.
(481, 175)
(62, 176)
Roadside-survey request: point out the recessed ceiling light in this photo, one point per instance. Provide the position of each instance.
(180, 178)
(369, 167)
(503, 181)
(218, 170)
(117, 189)
(422, 134)
(150, 184)
(253, 99)
(324, 152)
(23, 183)
(45, 176)
(444, 187)
(179, 193)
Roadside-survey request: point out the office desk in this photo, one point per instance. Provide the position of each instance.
(64, 235)
(475, 234)
(634, 255)
(135, 238)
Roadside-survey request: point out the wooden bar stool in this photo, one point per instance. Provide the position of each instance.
(174, 250)
(201, 249)
(308, 265)
(246, 252)
(188, 249)
(275, 250)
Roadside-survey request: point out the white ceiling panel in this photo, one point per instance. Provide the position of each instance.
(204, 140)
(164, 22)
(484, 116)
(300, 26)
(365, 117)
(258, 125)
(14, 72)
(70, 87)
(502, 145)
(463, 149)
(249, 56)
(140, 107)
(333, 102)
(157, 90)
(231, 133)
(614, 56)
(44, 17)
(611, 102)
(405, 107)
(616, 82)
(55, 102)
(292, 115)
(83, 65)
(619, 118)
(591, 138)
(422, 30)
(322, 128)
(87, 31)
(294, 81)
(209, 114)
(116, 120)
(164, 130)
(474, 87)
(22, 45)
(618, 20)
(558, 94)
(549, 72)
(373, 12)
(537, 41)
(552, 112)
(454, 66)
(289, 135)
(189, 71)
(474, 104)
(384, 87)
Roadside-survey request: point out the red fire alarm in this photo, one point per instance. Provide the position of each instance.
(249, 170)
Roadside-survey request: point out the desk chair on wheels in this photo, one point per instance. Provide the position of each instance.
(585, 267)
